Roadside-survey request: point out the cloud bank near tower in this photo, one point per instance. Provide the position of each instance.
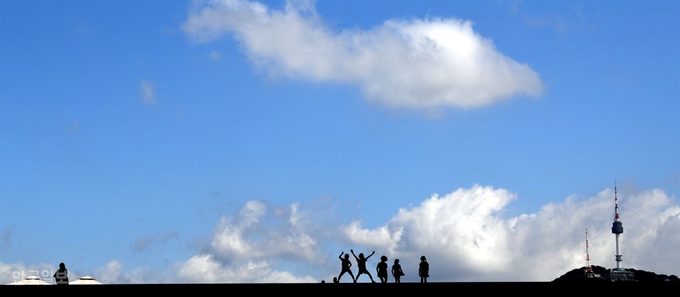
(465, 234)
(420, 63)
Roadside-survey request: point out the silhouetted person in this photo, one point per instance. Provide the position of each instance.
(382, 269)
(396, 271)
(61, 275)
(361, 262)
(423, 269)
(335, 280)
(346, 265)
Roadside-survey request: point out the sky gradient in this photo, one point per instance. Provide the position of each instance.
(242, 141)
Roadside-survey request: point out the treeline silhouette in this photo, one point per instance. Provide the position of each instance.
(578, 275)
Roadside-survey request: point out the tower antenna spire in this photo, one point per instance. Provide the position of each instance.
(616, 205)
(588, 270)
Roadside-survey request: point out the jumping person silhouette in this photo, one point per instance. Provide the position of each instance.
(346, 265)
(423, 269)
(382, 269)
(361, 262)
(396, 271)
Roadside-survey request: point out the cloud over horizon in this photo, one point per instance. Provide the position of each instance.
(465, 234)
(423, 64)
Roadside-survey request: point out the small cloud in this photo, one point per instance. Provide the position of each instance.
(168, 30)
(214, 55)
(83, 27)
(110, 273)
(155, 240)
(567, 21)
(148, 92)
(7, 237)
(73, 127)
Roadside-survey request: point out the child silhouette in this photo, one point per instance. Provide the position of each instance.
(346, 265)
(396, 271)
(361, 262)
(423, 269)
(382, 269)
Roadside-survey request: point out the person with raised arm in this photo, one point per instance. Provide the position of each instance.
(346, 266)
(361, 262)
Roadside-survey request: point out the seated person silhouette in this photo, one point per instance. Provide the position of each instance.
(61, 275)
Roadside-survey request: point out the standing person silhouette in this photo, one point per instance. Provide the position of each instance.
(361, 262)
(346, 265)
(423, 269)
(396, 271)
(61, 275)
(382, 269)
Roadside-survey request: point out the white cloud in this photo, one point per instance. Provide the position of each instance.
(286, 235)
(153, 241)
(463, 226)
(417, 63)
(112, 273)
(13, 272)
(466, 235)
(148, 92)
(247, 248)
(381, 238)
(206, 269)
(214, 55)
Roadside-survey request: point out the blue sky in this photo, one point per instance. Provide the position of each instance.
(240, 141)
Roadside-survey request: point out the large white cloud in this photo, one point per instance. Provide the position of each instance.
(248, 247)
(469, 239)
(465, 234)
(206, 269)
(401, 63)
(286, 235)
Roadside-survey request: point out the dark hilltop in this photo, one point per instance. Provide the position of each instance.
(601, 274)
